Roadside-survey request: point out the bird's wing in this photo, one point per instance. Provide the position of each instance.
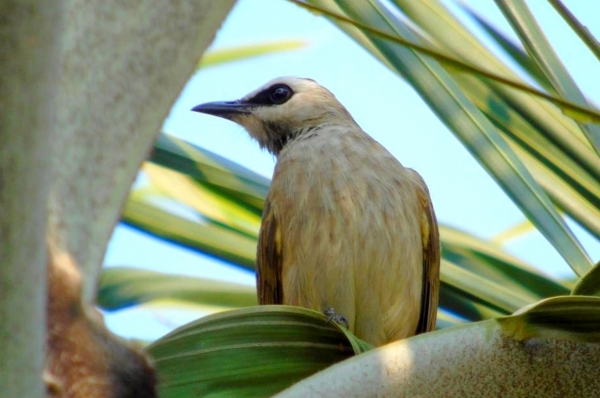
(431, 263)
(268, 259)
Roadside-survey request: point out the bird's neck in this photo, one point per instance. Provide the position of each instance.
(281, 137)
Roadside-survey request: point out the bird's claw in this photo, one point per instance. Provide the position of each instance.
(337, 318)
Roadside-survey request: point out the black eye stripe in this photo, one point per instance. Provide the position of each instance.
(273, 95)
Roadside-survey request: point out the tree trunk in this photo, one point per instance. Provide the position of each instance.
(29, 42)
(124, 64)
(70, 146)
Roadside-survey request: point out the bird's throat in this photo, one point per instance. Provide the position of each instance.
(277, 136)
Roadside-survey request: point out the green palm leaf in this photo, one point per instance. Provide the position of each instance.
(253, 352)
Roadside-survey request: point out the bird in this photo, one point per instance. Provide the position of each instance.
(346, 228)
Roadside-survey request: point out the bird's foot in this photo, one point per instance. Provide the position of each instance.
(337, 318)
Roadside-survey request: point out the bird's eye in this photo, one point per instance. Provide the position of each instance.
(280, 94)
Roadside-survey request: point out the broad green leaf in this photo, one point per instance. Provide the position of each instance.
(575, 318)
(589, 284)
(252, 352)
(238, 53)
(121, 287)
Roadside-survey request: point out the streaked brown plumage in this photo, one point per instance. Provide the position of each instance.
(345, 225)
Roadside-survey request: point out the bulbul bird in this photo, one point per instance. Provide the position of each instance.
(345, 225)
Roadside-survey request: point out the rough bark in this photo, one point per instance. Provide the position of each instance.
(85, 360)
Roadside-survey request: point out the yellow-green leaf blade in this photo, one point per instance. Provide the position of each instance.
(205, 237)
(121, 287)
(523, 22)
(237, 53)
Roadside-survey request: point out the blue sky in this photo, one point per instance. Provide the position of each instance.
(386, 107)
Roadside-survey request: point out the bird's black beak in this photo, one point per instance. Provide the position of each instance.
(224, 109)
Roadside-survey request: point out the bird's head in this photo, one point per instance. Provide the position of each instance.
(283, 109)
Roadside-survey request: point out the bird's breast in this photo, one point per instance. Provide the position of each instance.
(352, 179)
(350, 233)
